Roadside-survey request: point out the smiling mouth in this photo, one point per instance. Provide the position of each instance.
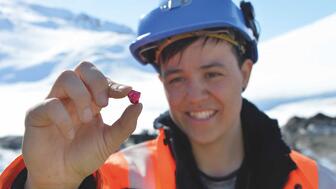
(202, 115)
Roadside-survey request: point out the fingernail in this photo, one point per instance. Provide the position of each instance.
(122, 87)
(87, 115)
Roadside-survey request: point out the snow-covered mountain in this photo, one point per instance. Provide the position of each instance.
(37, 43)
(18, 13)
(297, 65)
(37, 39)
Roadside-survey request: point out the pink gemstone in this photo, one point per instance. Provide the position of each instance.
(134, 96)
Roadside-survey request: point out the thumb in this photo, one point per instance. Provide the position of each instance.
(116, 134)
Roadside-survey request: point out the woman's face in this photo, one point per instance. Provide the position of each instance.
(203, 85)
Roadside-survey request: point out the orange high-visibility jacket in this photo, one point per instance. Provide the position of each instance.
(150, 165)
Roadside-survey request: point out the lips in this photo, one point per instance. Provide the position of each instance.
(202, 115)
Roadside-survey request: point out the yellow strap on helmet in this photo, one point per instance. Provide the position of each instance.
(219, 34)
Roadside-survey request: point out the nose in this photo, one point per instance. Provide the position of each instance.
(196, 92)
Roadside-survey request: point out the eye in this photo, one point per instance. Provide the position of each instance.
(175, 80)
(210, 75)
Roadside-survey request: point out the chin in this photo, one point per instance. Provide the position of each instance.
(202, 138)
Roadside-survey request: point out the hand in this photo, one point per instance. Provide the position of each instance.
(65, 138)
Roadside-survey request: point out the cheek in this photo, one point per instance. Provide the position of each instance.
(174, 96)
(225, 90)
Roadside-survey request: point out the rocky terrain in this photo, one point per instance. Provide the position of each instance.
(315, 137)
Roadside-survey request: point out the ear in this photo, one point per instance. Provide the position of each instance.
(246, 70)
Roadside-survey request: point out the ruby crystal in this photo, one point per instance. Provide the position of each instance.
(134, 96)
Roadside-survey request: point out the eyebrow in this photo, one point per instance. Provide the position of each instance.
(170, 72)
(212, 65)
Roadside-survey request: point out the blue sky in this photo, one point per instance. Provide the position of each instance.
(275, 17)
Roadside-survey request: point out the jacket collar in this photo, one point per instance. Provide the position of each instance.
(267, 161)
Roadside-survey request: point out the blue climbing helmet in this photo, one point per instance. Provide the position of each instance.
(183, 17)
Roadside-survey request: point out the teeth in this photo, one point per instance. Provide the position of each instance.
(202, 115)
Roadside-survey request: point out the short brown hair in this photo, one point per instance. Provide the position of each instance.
(180, 45)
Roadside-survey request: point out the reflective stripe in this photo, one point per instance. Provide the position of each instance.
(140, 167)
